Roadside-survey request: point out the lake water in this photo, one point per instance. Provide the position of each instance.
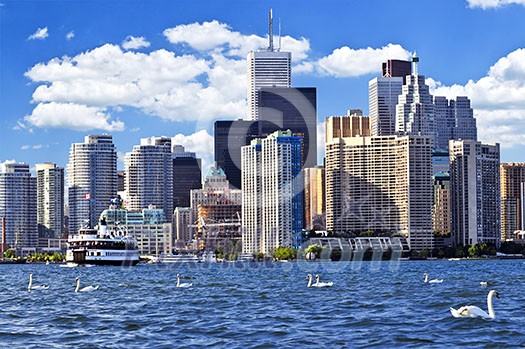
(241, 305)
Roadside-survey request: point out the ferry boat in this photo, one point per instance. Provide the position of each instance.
(177, 258)
(102, 247)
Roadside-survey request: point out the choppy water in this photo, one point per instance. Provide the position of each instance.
(238, 305)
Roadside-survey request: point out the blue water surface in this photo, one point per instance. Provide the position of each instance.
(263, 305)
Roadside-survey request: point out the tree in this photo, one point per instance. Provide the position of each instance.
(285, 253)
(315, 249)
(9, 254)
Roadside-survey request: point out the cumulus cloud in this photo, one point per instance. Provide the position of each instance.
(219, 37)
(133, 43)
(486, 4)
(72, 116)
(40, 34)
(200, 142)
(348, 62)
(70, 35)
(497, 99)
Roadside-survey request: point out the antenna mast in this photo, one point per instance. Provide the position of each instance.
(270, 31)
(279, 34)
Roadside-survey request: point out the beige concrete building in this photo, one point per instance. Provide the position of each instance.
(351, 125)
(441, 208)
(381, 184)
(314, 198)
(512, 177)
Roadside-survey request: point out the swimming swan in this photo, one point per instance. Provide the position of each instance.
(484, 283)
(433, 281)
(37, 287)
(184, 284)
(473, 311)
(84, 289)
(317, 283)
(322, 284)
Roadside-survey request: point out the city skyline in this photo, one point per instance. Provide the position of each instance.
(151, 42)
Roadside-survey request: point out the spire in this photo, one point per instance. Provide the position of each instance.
(270, 31)
(415, 61)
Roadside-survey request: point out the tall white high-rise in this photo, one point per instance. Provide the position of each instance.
(18, 205)
(383, 93)
(267, 68)
(475, 192)
(383, 184)
(149, 176)
(272, 193)
(50, 200)
(415, 107)
(92, 179)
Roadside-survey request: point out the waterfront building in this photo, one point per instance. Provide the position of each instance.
(154, 236)
(216, 210)
(187, 175)
(351, 125)
(267, 68)
(475, 192)
(441, 209)
(440, 161)
(92, 179)
(380, 185)
(50, 201)
(512, 177)
(314, 198)
(149, 175)
(272, 197)
(415, 107)
(18, 206)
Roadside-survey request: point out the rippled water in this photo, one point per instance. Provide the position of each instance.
(239, 305)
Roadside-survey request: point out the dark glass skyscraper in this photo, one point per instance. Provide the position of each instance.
(397, 68)
(186, 175)
(280, 108)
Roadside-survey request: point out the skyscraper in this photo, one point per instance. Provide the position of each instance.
(272, 193)
(441, 209)
(187, 175)
(267, 68)
(454, 120)
(415, 107)
(314, 198)
(347, 126)
(50, 200)
(475, 192)
(383, 93)
(92, 179)
(149, 176)
(383, 184)
(512, 178)
(293, 109)
(18, 205)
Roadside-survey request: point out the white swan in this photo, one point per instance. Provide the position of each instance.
(473, 311)
(37, 287)
(484, 283)
(322, 284)
(184, 284)
(84, 289)
(433, 281)
(317, 283)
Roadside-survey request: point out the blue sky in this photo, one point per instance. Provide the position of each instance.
(137, 69)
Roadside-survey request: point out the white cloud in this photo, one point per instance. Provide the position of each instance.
(40, 34)
(72, 116)
(133, 43)
(70, 35)
(486, 4)
(200, 142)
(497, 99)
(216, 36)
(348, 62)
(35, 147)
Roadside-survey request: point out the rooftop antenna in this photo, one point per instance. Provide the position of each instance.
(270, 30)
(279, 34)
(415, 61)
